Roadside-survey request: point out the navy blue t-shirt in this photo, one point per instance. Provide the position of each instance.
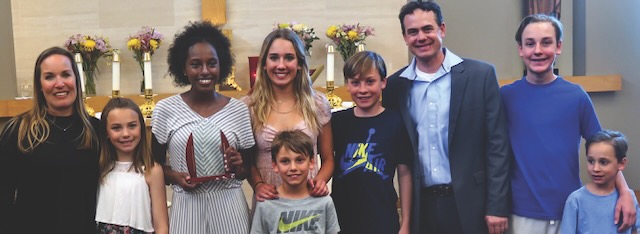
(367, 151)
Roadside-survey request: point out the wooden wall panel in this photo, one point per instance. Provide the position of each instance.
(214, 11)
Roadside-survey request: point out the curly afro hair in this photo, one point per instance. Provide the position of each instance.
(195, 32)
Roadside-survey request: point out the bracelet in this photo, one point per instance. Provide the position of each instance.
(257, 183)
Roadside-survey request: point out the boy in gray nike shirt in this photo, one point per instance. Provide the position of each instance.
(295, 211)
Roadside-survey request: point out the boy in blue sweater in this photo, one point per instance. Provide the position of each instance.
(547, 115)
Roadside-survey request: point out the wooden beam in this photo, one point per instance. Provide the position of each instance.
(214, 11)
(10, 108)
(603, 83)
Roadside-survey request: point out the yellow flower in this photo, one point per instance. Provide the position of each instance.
(89, 44)
(283, 25)
(154, 44)
(353, 35)
(133, 43)
(297, 27)
(331, 31)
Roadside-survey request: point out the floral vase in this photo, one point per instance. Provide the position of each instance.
(347, 50)
(141, 64)
(90, 69)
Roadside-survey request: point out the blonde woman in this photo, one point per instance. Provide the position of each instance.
(49, 155)
(283, 99)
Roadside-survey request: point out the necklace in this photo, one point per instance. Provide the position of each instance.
(283, 101)
(284, 112)
(53, 121)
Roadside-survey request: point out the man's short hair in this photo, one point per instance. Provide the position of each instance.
(410, 7)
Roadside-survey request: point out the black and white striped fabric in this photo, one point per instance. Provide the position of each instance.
(215, 206)
(207, 149)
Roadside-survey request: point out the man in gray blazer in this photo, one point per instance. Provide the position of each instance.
(457, 126)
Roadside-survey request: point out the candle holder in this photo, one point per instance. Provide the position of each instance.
(147, 107)
(78, 58)
(334, 100)
(230, 82)
(115, 76)
(88, 108)
(146, 72)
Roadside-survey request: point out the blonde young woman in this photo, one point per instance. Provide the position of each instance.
(283, 99)
(49, 155)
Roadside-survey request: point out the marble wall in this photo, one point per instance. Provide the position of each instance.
(612, 48)
(39, 24)
(7, 61)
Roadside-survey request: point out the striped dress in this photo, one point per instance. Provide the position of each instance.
(216, 206)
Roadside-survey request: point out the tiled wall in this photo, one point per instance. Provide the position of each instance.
(39, 24)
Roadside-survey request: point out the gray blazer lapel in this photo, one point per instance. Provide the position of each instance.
(458, 85)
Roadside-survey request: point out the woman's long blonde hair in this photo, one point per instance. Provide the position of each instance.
(262, 93)
(142, 161)
(33, 129)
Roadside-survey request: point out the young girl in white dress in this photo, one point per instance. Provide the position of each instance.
(131, 196)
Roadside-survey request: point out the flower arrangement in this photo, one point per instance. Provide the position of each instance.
(145, 40)
(304, 32)
(348, 37)
(91, 48)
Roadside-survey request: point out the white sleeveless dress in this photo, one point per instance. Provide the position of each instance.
(124, 199)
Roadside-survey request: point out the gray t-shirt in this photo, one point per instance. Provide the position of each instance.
(307, 215)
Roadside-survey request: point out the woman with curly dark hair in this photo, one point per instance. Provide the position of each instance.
(198, 121)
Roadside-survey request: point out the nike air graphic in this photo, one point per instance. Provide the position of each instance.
(298, 220)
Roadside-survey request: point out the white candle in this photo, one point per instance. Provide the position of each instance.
(361, 48)
(78, 59)
(330, 62)
(115, 85)
(147, 70)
